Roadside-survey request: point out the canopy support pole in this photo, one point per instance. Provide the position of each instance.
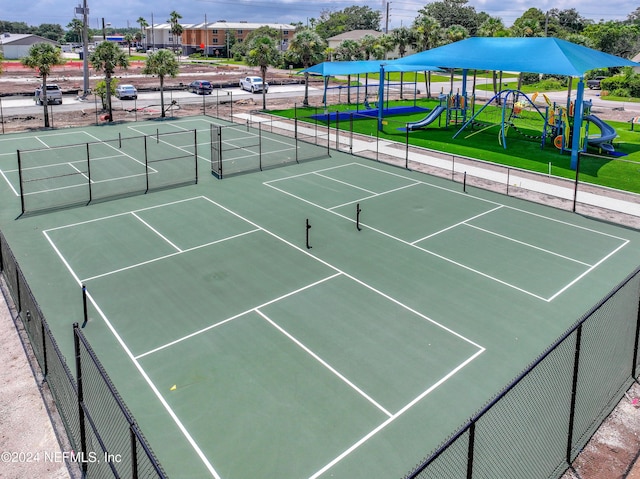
(577, 123)
(380, 97)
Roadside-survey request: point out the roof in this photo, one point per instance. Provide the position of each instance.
(535, 55)
(225, 26)
(23, 39)
(354, 35)
(362, 66)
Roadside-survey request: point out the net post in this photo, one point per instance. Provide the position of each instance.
(84, 306)
(81, 418)
(20, 181)
(307, 231)
(157, 135)
(358, 211)
(464, 182)
(89, 174)
(195, 152)
(259, 144)
(119, 140)
(146, 164)
(295, 136)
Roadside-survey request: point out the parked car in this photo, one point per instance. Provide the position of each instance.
(126, 91)
(253, 84)
(54, 94)
(594, 83)
(201, 87)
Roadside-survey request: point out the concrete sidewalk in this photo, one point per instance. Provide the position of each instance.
(562, 188)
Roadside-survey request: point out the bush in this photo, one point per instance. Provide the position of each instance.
(621, 92)
(550, 85)
(530, 78)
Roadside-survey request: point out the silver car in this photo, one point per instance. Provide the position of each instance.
(253, 84)
(126, 91)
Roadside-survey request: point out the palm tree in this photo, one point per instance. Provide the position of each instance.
(176, 29)
(107, 57)
(262, 53)
(143, 25)
(428, 35)
(348, 50)
(161, 63)
(309, 49)
(402, 38)
(129, 39)
(42, 57)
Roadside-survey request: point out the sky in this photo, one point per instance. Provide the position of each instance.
(123, 13)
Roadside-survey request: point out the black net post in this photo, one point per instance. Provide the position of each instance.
(259, 144)
(81, 417)
(464, 182)
(20, 182)
(146, 164)
(358, 211)
(84, 305)
(307, 229)
(195, 153)
(351, 133)
(89, 173)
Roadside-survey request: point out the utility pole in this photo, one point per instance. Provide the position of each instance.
(85, 49)
(386, 26)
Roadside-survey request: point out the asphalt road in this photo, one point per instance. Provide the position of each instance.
(24, 105)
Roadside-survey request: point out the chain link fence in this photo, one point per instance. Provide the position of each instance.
(105, 439)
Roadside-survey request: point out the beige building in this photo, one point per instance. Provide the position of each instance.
(211, 37)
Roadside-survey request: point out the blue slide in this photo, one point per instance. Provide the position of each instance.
(435, 113)
(607, 133)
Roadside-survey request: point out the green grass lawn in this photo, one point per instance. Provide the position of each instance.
(522, 152)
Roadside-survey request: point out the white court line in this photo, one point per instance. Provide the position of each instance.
(468, 268)
(179, 252)
(231, 318)
(589, 270)
(498, 206)
(455, 225)
(155, 390)
(527, 244)
(372, 433)
(123, 214)
(324, 363)
(156, 232)
(345, 183)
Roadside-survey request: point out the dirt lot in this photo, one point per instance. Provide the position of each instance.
(25, 407)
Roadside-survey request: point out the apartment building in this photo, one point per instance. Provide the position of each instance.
(211, 37)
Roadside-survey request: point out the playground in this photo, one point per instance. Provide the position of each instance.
(498, 135)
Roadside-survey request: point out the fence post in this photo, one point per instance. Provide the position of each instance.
(634, 368)
(470, 450)
(45, 369)
(134, 453)
(406, 147)
(89, 173)
(574, 386)
(575, 188)
(20, 181)
(146, 164)
(81, 418)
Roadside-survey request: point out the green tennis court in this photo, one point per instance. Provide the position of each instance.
(335, 318)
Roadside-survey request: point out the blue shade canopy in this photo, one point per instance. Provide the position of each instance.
(363, 66)
(534, 55)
